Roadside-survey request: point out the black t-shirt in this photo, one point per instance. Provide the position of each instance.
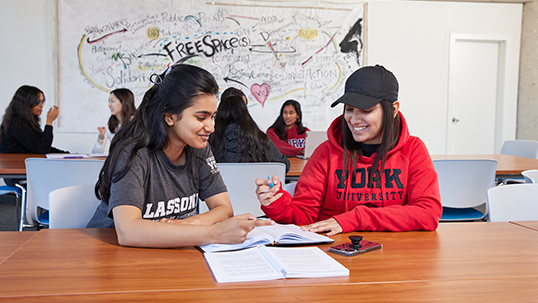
(161, 189)
(369, 149)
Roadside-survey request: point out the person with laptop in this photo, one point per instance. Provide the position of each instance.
(371, 174)
(288, 132)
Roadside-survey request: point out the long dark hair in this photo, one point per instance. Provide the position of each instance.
(24, 99)
(175, 90)
(255, 144)
(128, 108)
(232, 91)
(391, 131)
(280, 124)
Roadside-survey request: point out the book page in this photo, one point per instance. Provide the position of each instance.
(291, 233)
(303, 262)
(243, 265)
(254, 237)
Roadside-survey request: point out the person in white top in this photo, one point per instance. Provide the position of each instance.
(122, 108)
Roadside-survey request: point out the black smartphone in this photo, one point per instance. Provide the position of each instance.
(348, 249)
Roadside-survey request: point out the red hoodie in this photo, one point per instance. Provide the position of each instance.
(296, 142)
(407, 197)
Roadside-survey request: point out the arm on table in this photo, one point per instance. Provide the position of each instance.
(132, 230)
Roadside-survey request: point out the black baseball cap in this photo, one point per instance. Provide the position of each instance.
(367, 86)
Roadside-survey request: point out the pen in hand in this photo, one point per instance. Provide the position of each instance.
(271, 184)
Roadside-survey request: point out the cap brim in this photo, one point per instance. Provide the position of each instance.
(357, 100)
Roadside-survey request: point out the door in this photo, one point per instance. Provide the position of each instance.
(474, 93)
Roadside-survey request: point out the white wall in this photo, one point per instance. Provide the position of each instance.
(411, 38)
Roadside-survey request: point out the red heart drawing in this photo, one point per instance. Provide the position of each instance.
(260, 92)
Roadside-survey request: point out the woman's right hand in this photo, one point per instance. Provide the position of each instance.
(52, 114)
(102, 130)
(266, 192)
(235, 229)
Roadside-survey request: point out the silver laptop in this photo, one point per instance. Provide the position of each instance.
(313, 140)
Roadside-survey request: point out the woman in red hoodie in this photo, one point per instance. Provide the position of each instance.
(288, 132)
(371, 175)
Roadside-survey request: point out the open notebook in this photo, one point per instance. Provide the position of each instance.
(267, 263)
(278, 234)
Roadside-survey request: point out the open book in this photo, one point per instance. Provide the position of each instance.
(272, 235)
(269, 263)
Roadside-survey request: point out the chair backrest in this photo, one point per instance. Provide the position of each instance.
(516, 202)
(531, 175)
(464, 183)
(72, 206)
(240, 180)
(290, 187)
(520, 148)
(46, 175)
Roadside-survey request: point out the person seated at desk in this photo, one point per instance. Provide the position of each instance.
(232, 91)
(160, 165)
(122, 107)
(371, 175)
(237, 138)
(20, 131)
(288, 132)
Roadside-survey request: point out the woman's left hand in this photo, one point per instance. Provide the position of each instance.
(330, 225)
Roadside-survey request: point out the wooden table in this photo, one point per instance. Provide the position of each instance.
(527, 224)
(10, 241)
(478, 261)
(506, 165)
(12, 165)
(296, 167)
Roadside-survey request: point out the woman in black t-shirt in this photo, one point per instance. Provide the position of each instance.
(20, 131)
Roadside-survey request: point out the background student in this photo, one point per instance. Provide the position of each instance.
(232, 91)
(160, 165)
(237, 138)
(288, 132)
(122, 108)
(370, 175)
(20, 131)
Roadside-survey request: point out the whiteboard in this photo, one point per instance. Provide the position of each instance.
(272, 52)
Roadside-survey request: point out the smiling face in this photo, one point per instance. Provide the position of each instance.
(37, 110)
(290, 116)
(115, 105)
(366, 125)
(195, 125)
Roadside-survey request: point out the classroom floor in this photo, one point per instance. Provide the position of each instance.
(8, 214)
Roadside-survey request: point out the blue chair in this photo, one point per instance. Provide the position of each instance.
(520, 148)
(531, 175)
(513, 203)
(72, 206)
(463, 185)
(290, 187)
(20, 194)
(46, 175)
